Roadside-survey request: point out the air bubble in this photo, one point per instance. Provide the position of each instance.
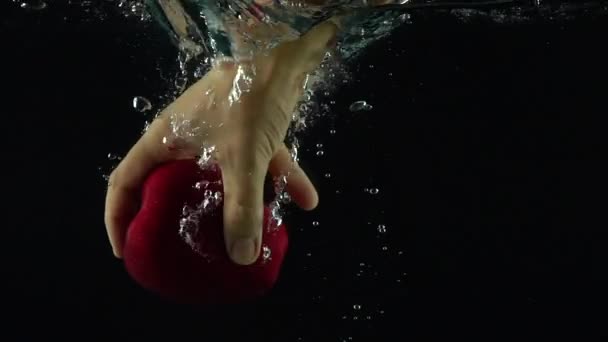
(381, 228)
(141, 104)
(320, 153)
(328, 175)
(276, 213)
(139, 10)
(332, 131)
(404, 17)
(266, 253)
(284, 197)
(201, 185)
(206, 155)
(294, 153)
(359, 106)
(112, 156)
(33, 5)
(146, 127)
(315, 223)
(357, 307)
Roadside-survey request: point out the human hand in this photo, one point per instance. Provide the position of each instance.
(244, 116)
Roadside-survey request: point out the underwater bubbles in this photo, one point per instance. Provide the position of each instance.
(141, 104)
(359, 106)
(33, 5)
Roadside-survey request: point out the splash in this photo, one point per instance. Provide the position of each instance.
(191, 217)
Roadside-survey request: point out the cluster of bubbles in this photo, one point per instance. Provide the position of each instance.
(360, 312)
(371, 191)
(134, 8)
(191, 216)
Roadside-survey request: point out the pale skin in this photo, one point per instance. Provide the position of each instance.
(248, 136)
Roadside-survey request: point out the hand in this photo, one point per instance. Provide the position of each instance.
(247, 131)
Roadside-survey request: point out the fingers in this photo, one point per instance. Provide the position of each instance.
(243, 180)
(243, 177)
(121, 206)
(299, 186)
(296, 60)
(305, 54)
(123, 196)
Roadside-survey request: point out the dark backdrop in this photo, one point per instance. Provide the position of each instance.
(485, 142)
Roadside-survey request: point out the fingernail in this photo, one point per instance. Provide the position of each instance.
(243, 251)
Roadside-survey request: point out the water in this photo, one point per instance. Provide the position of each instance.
(214, 31)
(240, 28)
(351, 44)
(334, 257)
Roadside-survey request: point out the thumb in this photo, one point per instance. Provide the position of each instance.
(243, 209)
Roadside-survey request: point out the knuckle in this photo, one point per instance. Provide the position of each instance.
(247, 220)
(269, 143)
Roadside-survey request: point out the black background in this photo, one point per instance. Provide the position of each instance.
(485, 142)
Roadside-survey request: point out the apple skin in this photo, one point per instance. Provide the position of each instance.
(158, 258)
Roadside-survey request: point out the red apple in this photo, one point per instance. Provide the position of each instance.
(183, 257)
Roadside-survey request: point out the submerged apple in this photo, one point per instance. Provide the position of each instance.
(175, 244)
